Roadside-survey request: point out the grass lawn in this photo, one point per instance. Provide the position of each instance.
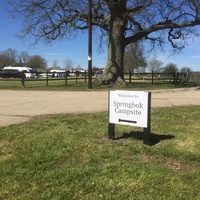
(81, 85)
(71, 157)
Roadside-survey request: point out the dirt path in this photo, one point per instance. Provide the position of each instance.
(19, 106)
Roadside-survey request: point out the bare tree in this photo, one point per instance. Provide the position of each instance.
(24, 57)
(134, 58)
(10, 56)
(185, 69)
(55, 64)
(68, 63)
(186, 73)
(122, 21)
(4, 60)
(155, 65)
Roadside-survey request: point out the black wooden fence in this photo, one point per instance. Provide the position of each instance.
(130, 77)
(155, 77)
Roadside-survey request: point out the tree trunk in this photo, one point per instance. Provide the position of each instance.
(113, 73)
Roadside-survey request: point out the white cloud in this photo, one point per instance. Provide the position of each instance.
(57, 54)
(195, 57)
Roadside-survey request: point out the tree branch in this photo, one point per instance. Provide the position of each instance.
(160, 26)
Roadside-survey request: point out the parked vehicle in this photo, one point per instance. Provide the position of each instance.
(28, 72)
(10, 73)
(98, 73)
(60, 73)
(76, 72)
(44, 75)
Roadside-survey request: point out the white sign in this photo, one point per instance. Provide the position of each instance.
(128, 108)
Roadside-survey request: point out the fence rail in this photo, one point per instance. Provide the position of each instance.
(130, 77)
(162, 77)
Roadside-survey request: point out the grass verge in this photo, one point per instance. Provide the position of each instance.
(80, 85)
(71, 157)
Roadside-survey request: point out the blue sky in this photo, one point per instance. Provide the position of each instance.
(77, 49)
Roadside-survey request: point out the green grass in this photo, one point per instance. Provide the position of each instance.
(80, 85)
(40, 84)
(71, 157)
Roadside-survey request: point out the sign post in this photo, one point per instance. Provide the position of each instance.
(147, 130)
(130, 108)
(111, 131)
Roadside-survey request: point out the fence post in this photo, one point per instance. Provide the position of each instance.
(85, 77)
(130, 77)
(152, 77)
(188, 75)
(76, 77)
(47, 79)
(66, 75)
(23, 80)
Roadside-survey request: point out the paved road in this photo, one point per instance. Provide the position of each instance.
(19, 106)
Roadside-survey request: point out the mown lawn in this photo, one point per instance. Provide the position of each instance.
(71, 157)
(80, 84)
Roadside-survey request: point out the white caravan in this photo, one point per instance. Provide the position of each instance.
(29, 72)
(58, 72)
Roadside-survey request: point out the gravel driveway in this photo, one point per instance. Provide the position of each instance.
(19, 106)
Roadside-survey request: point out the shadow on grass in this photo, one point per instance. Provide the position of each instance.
(154, 138)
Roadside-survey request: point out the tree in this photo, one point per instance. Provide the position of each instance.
(4, 60)
(37, 62)
(171, 69)
(186, 72)
(55, 64)
(122, 21)
(24, 57)
(134, 58)
(68, 63)
(9, 57)
(155, 65)
(185, 69)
